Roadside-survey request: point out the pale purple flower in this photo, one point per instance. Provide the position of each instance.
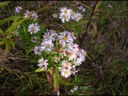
(54, 15)
(42, 64)
(18, 9)
(78, 16)
(65, 73)
(47, 45)
(64, 18)
(37, 50)
(30, 14)
(75, 88)
(33, 28)
(81, 8)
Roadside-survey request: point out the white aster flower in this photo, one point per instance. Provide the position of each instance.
(47, 45)
(74, 48)
(64, 17)
(67, 14)
(65, 73)
(71, 55)
(65, 38)
(54, 15)
(65, 11)
(18, 9)
(72, 13)
(78, 60)
(65, 65)
(37, 50)
(70, 34)
(42, 63)
(78, 16)
(47, 36)
(62, 43)
(54, 34)
(80, 57)
(33, 28)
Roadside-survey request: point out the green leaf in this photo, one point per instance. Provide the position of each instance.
(14, 25)
(12, 44)
(65, 82)
(98, 4)
(12, 18)
(39, 70)
(28, 50)
(1, 31)
(7, 47)
(4, 3)
(1, 43)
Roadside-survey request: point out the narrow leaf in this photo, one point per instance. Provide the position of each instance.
(39, 70)
(1, 43)
(14, 25)
(4, 3)
(98, 5)
(65, 82)
(12, 18)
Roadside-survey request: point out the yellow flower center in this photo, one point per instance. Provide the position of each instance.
(33, 29)
(72, 13)
(42, 62)
(67, 64)
(47, 36)
(65, 38)
(47, 46)
(65, 11)
(65, 72)
(64, 17)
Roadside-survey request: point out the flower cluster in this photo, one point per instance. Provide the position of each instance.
(42, 63)
(27, 14)
(66, 54)
(33, 28)
(67, 14)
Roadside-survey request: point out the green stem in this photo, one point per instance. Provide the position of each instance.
(56, 81)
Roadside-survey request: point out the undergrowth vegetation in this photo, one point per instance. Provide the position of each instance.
(98, 27)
